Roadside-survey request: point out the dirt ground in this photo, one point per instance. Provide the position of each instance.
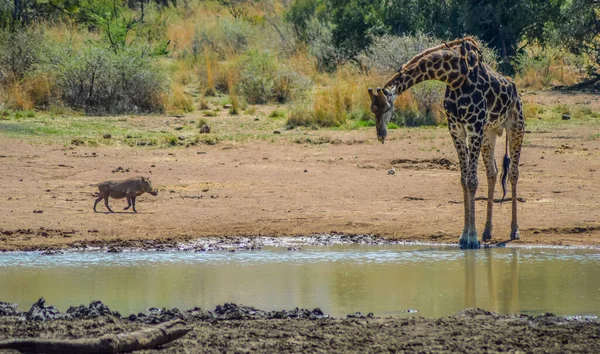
(238, 329)
(281, 187)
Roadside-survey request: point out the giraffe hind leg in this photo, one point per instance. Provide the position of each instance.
(487, 152)
(515, 132)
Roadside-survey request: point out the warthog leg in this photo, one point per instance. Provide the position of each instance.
(128, 203)
(106, 203)
(133, 204)
(96, 202)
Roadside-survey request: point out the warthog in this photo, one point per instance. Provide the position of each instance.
(130, 189)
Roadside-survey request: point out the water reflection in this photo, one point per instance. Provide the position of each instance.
(386, 280)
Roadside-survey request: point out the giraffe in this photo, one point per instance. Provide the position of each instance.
(480, 104)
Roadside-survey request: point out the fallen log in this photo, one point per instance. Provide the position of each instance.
(124, 342)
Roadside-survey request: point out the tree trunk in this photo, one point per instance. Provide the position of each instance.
(125, 342)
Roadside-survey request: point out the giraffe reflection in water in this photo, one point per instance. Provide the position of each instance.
(507, 304)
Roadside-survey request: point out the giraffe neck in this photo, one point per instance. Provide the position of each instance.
(442, 67)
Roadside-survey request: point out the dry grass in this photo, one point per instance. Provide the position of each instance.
(343, 96)
(179, 99)
(532, 110)
(549, 67)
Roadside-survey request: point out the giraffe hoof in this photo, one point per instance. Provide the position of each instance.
(514, 235)
(466, 243)
(486, 236)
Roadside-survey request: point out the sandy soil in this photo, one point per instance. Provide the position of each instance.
(286, 188)
(232, 328)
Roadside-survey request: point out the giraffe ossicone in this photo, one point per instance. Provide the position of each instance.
(480, 104)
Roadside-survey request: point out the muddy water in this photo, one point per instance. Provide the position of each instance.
(397, 280)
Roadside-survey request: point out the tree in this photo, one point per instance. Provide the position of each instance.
(355, 22)
(578, 30)
(502, 24)
(237, 8)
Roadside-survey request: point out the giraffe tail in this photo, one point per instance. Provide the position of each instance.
(505, 164)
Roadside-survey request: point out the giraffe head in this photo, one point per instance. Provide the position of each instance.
(382, 105)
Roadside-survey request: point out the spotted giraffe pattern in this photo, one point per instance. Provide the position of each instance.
(480, 104)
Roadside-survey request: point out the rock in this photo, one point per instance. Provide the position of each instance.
(566, 117)
(230, 311)
(106, 136)
(161, 315)
(227, 106)
(276, 132)
(298, 313)
(38, 211)
(113, 250)
(77, 142)
(39, 312)
(392, 171)
(181, 137)
(205, 129)
(93, 310)
(178, 128)
(7, 309)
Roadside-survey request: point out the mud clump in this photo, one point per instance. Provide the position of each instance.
(8, 309)
(230, 311)
(95, 309)
(39, 312)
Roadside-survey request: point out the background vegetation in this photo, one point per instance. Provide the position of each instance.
(316, 57)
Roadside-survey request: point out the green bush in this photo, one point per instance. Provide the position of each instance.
(98, 80)
(387, 53)
(227, 37)
(257, 77)
(20, 52)
(263, 78)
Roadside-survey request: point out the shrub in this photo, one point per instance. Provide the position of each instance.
(98, 80)
(320, 44)
(549, 67)
(229, 36)
(420, 106)
(263, 78)
(257, 76)
(387, 53)
(20, 52)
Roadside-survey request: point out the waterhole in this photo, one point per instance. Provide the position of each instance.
(396, 280)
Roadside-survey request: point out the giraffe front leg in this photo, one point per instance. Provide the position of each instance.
(459, 139)
(471, 182)
(487, 152)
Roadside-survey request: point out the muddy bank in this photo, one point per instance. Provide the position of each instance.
(237, 244)
(237, 328)
(207, 244)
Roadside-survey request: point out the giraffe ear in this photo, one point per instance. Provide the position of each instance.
(371, 95)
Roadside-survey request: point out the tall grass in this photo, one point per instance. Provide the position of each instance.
(344, 97)
(538, 68)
